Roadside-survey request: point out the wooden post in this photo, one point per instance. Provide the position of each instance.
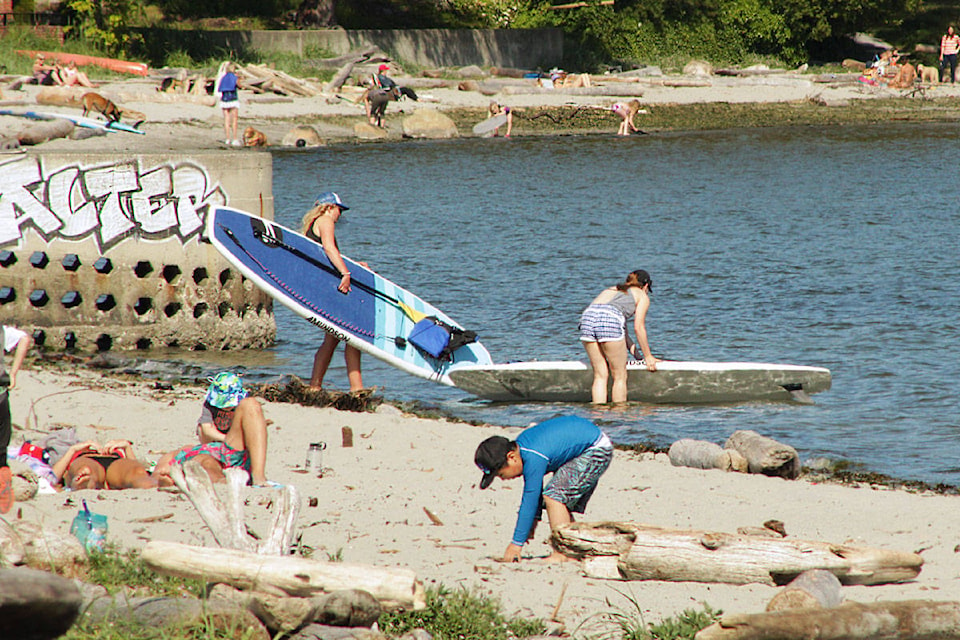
(817, 588)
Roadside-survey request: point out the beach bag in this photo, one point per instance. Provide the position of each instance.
(438, 339)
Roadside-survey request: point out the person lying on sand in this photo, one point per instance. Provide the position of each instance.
(574, 449)
(90, 465)
(232, 433)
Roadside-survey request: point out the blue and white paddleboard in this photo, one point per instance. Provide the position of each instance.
(80, 121)
(377, 315)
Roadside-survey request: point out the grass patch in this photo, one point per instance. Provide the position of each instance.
(630, 625)
(459, 614)
(116, 571)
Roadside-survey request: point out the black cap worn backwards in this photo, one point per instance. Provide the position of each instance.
(491, 456)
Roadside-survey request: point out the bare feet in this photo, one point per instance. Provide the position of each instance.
(556, 557)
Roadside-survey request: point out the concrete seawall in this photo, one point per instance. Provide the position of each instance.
(518, 48)
(104, 251)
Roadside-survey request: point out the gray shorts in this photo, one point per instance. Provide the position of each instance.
(574, 483)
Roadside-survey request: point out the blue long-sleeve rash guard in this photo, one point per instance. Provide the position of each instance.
(544, 448)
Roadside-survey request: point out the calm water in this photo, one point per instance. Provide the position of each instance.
(833, 247)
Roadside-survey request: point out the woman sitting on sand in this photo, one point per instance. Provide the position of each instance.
(45, 74)
(71, 76)
(90, 465)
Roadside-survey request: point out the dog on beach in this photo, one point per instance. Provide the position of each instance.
(96, 102)
(928, 74)
(254, 138)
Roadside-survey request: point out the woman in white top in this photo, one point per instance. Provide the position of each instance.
(603, 331)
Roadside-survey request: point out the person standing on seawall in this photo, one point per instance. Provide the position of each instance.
(11, 339)
(949, 46)
(603, 331)
(319, 225)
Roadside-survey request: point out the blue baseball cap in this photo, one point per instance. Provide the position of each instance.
(329, 197)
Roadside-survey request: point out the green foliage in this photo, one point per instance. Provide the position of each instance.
(225, 8)
(103, 23)
(631, 625)
(115, 571)
(454, 615)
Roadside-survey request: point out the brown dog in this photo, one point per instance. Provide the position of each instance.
(928, 74)
(96, 102)
(254, 138)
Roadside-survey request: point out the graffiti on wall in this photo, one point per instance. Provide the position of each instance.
(110, 202)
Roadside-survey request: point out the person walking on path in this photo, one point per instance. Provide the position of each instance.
(572, 448)
(603, 331)
(319, 224)
(19, 342)
(949, 47)
(229, 103)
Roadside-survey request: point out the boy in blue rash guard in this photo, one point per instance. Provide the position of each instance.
(573, 449)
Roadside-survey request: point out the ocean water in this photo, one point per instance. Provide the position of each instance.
(834, 247)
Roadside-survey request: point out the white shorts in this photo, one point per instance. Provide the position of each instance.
(232, 104)
(602, 323)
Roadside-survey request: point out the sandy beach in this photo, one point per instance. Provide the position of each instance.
(371, 502)
(181, 123)
(372, 498)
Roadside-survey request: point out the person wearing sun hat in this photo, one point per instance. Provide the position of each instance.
(232, 432)
(572, 448)
(319, 224)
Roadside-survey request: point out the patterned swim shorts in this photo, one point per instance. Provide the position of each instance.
(227, 457)
(574, 483)
(602, 323)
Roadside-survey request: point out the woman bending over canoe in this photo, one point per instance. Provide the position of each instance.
(319, 225)
(603, 331)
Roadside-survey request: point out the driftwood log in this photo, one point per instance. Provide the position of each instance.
(285, 575)
(225, 518)
(632, 551)
(815, 589)
(36, 605)
(700, 454)
(40, 132)
(906, 620)
(765, 455)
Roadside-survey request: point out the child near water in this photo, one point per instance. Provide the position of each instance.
(573, 449)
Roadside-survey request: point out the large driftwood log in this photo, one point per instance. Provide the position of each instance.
(40, 132)
(700, 454)
(175, 613)
(906, 620)
(632, 551)
(765, 455)
(37, 604)
(225, 517)
(286, 575)
(817, 589)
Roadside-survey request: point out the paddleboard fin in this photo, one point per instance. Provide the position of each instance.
(797, 394)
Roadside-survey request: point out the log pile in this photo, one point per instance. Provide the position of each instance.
(260, 78)
(633, 551)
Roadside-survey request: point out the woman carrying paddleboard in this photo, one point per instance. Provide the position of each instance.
(603, 331)
(319, 224)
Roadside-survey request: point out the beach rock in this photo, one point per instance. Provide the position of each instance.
(698, 68)
(9, 144)
(25, 482)
(37, 604)
(24, 542)
(429, 123)
(367, 131)
(347, 608)
(652, 71)
(469, 85)
(302, 136)
(324, 632)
